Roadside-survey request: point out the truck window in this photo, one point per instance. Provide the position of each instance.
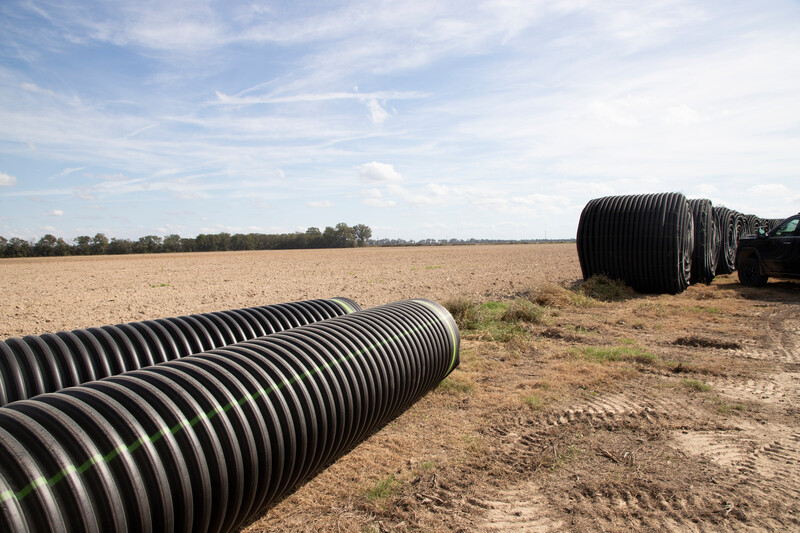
(787, 228)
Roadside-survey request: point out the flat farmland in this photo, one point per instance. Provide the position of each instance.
(54, 294)
(574, 412)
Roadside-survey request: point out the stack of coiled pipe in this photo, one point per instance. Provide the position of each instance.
(205, 442)
(646, 240)
(731, 226)
(46, 363)
(706, 241)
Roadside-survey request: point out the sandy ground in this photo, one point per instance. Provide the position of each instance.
(54, 294)
(655, 413)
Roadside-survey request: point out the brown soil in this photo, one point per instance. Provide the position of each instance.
(55, 294)
(652, 413)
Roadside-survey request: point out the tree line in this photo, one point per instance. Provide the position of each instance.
(340, 236)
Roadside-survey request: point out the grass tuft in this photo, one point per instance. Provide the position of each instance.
(520, 310)
(695, 385)
(383, 488)
(456, 385)
(603, 288)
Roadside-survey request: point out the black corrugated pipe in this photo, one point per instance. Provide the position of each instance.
(206, 442)
(646, 240)
(706, 241)
(46, 363)
(729, 238)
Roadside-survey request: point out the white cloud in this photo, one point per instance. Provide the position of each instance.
(378, 114)
(7, 180)
(378, 172)
(56, 213)
(321, 204)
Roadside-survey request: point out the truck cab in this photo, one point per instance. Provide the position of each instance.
(770, 254)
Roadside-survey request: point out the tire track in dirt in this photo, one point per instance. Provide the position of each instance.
(762, 468)
(527, 506)
(764, 457)
(777, 389)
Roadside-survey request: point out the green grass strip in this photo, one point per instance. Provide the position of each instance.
(185, 424)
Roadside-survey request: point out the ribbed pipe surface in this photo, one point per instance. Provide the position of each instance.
(646, 240)
(706, 241)
(206, 442)
(38, 364)
(731, 226)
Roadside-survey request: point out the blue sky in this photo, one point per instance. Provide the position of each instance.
(420, 119)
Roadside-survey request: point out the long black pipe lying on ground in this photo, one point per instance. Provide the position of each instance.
(37, 364)
(206, 442)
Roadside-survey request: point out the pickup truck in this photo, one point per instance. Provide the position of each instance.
(770, 254)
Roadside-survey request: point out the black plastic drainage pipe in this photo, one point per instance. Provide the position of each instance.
(36, 364)
(209, 441)
(706, 241)
(646, 240)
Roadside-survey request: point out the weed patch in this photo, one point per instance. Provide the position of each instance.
(603, 288)
(695, 385)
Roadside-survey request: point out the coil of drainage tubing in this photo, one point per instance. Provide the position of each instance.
(206, 442)
(645, 240)
(731, 227)
(706, 241)
(36, 364)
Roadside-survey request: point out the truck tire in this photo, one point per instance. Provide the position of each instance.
(750, 273)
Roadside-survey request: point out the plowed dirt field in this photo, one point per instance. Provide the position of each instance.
(653, 412)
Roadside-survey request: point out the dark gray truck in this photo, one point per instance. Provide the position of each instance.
(770, 254)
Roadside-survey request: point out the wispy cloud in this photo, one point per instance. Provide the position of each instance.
(321, 97)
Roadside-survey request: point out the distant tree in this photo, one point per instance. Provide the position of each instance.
(16, 247)
(99, 244)
(188, 244)
(82, 246)
(172, 243)
(149, 244)
(61, 248)
(3, 243)
(223, 242)
(362, 234)
(241, 241)
(345, 236)
(329, 237)
(120, 246)
(46, 245)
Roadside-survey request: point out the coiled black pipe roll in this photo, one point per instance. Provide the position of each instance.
(206, 442)
(46, 363)
(706, 241)
(646, 240)
(732, 227)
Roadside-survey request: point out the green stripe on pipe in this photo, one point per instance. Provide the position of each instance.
(343, 304)
(72, 470)
(447, 320)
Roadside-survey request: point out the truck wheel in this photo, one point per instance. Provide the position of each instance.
(750, 273)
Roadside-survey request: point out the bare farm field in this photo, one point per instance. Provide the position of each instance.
(576, 407)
